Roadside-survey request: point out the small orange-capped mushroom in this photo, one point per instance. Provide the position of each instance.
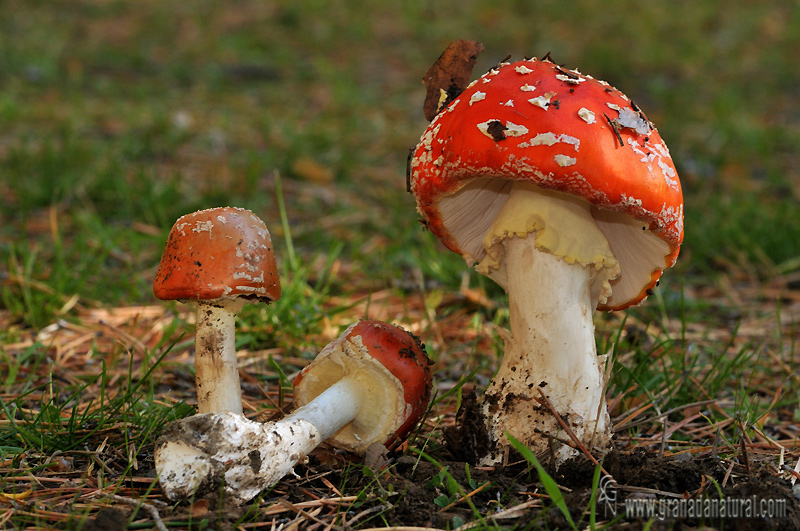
(218, 259)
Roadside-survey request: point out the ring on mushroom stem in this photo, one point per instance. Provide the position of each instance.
(549, 201)
(371, 385)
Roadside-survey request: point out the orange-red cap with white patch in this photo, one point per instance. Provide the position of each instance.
(219, 253)
(558, 129)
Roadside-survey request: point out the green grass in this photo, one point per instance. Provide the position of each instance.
(62, 422)
(118, 118)
(117, 130)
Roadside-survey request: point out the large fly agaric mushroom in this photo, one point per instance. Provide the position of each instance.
(218, 259)
(556, 186)
(371, 385)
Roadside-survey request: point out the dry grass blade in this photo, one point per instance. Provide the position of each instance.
(465, 497)
(543, 400)
(507, 514)
(628, 422)
(402, 528)
(284, 506)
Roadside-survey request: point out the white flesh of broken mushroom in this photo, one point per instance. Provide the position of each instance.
(218, 448)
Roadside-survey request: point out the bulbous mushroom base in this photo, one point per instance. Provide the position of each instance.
(199, 454)
(542, 433)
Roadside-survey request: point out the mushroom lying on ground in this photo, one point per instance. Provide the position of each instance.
(371, 385)
(218, 259)
(556, 186)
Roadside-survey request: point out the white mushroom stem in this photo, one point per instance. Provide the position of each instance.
(216, 366)
(247, 456)
(552, 348)
(335, 407)
(349, 398)
(553, 287)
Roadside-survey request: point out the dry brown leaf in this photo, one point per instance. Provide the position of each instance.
(199, 508)
(449, 75)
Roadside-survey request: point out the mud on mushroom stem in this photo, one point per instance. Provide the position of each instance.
(216, 366)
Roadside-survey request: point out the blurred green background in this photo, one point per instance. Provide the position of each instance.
(118, 117)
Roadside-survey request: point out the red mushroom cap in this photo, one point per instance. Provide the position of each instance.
(399, 352)
(558, 129)
(215, 254)
(404, 356)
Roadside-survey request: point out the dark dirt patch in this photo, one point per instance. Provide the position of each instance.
(417, 493)
(468, 439)
(643, 475)
(412, 491)
(108, 519)
(674, 485)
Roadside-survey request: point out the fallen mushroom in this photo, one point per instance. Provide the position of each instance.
(371, 385)
(556, 186)
(218, 259)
